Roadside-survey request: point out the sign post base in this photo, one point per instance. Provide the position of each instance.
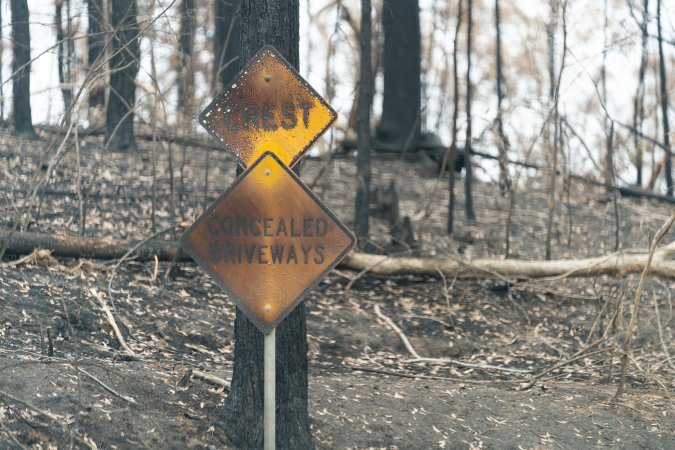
(269, 395)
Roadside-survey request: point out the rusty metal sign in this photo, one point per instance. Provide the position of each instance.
(268, 107)
(267, 241)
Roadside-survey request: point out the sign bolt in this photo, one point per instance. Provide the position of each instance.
(267, 308)
(267, 172)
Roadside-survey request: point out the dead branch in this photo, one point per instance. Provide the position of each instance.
(211, 379)
(418, 358)
(424, 377)
(129, 352)
(581, 354)
(126, 398)
(638, 296)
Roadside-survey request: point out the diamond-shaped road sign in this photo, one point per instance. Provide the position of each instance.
(268, 107)
(267, 241)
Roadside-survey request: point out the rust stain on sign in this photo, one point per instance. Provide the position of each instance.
(268, 107)
(267, 241)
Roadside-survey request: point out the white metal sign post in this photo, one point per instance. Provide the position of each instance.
(270, 397)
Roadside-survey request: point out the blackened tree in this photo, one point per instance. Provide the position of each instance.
(455, 116)
(468, 176)
(362, 205)
(401, 101)
(185, 45)
(95, 45)
(274, 22)
(663, 100)
(124, 62)
(639, 103)
(23, 120)
(226, 41)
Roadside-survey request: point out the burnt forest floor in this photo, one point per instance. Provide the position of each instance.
(552, 347)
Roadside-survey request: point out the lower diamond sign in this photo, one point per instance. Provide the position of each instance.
(267, 241)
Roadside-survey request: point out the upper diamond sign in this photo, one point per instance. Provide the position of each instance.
(268, 107)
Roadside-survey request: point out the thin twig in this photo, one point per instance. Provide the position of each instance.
(418, 358)
(55, 417)
(112, 322)
(126, 398)
(126, 255)
(12, 437)
(660, 327)
(579, 355)
(424, 377)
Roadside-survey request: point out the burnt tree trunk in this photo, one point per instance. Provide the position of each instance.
(502, 140)
(639, 104)
(455, 117)
(468, 176)
(64, 54)
(95, 45)
(226, 42)
(277, 23)
(362, 204)
(23, 120)
(668, 167)
(185, 45)
(124, 62)
(401, 102)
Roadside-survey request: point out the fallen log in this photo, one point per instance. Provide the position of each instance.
(616, 264)
(23, 243)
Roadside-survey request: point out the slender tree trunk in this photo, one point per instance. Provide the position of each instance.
(277, 23)
(362, 206)
(185, 45)
(668, 167)
(124, 62)
(23, 121)
(639, 104)
(455, 116)
(226, 42)
(610, 176)
(468, 178)
(63, 42)
(401, 101)
(95, 46)
(2, 81)
(502, 140)
(554, 97)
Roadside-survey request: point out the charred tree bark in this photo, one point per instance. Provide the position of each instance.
(124, 63)
(64, 53)
(502, 140)
(668, 167)
(639, 104)
(455, 116)
(277, 23)
(401, 102)
(95, 46)
(23, 119)
(553, 142)
(226, 42)
(362, 205)
(2, 81)
(185, 45)
(468, 175)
